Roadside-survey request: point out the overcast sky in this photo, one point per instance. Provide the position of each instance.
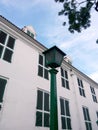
(43, 16)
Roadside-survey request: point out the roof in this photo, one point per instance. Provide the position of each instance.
(18, 30)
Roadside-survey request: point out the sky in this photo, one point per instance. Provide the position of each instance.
(43, 16)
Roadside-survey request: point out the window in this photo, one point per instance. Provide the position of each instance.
(93, 94)
(87, 118)
(65, 115)
(30, 34)
(2, 88)
(42, 69)
(64, 78)
(6, 46)
(42, 112)
(97, 114)
(81, 88)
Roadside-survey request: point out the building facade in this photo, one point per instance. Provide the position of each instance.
(25, 86)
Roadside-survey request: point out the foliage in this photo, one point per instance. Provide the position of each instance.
(78, 13)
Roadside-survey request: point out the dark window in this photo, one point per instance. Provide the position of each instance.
(63, 121)
(62, 107)
(30, 34)
(46, 102)
(2, 88)
(1, 50)
(97, 114)
(65, 114)
(87, 118)
(46, 120)
(2, 37)
(81, 88)
(8, 55)
(93, 94)
(64, 78)
(6, 46)
(39, 99)
(11, 42)
(40, 59)
(42, 112)
(42, 69)
(38, 118)
(67, 108)
(46, 74)
(62, 72)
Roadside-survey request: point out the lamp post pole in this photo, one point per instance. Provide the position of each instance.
(53, 59)
(53, 101)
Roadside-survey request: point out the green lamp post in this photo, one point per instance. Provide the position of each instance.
(53, 59)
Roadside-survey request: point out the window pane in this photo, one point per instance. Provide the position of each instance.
(38, 118)
(46, 101)
(67, 84)
(97, 113)
(63, 82)
(1, 49)
(7, 55)
(62, 72)
(46, 119)
(83, 93)
(40, 71)
(84, 113)
(62, 107)
(92, 90)
(90, 126)
(28, 32)
(32, 35)
(2, 37)
(63, 122)
(11, 42)
(80, 90)
(67, 108)
(40, 59)
(87, 112)
(66, 75)
(68, 123)
(87, 126)
(39, 100)
(0, 106)
(78, 81)
(2, 88)
(46, 74)
(81, 83)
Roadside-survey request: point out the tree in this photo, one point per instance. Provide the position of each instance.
(78, 13)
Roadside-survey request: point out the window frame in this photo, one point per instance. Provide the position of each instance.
(65, 115)
(64, 78)
(3, 91)
(81, 87)
(87, 118)
(42, 69)
(94, 97)
(43, 111)
(6, 49)
(30, 33)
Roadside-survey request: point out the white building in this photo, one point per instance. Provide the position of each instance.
(25, 86)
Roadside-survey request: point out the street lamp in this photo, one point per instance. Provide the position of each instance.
(53, 59)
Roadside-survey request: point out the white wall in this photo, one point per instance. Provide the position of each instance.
(19, 106)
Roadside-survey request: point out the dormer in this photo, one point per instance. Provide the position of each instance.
(30, 31)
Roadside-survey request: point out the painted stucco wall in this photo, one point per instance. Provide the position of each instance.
(20, 97)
